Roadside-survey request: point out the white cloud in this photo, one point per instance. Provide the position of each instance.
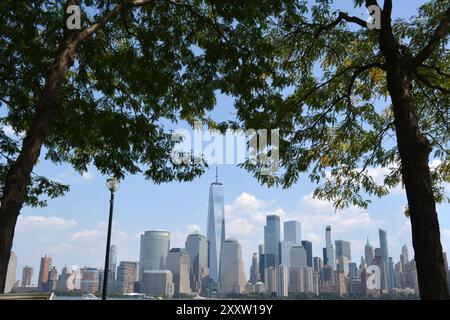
(313, 237)
(240, 227)
(246, 214)
(72, 176)
(61, 239)
(315, 213)
(40, 223)
(85, 234)
(379, 174)
(87, 176)
(246, 217)
(193, 228)
(245, 203)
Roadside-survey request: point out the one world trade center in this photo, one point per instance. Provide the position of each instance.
(215, 230)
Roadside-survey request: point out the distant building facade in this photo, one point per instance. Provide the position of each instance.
(232, 276)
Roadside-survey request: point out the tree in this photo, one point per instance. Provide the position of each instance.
(349, 99)
(103, 94)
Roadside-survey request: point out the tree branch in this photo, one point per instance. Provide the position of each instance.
(441, 31)
(352, 19)
(360, 70)
(436, 69)
(380, 136)
(109, 15)
(387, 8)
(388, 43)
(428, 83)
(371, 3)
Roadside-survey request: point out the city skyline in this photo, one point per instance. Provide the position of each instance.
(169, 271)
(284, 263)
(73, 227)
(298, 255)
(312, 224)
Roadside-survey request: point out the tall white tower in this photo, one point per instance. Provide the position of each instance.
(215, 229)
(331, 254)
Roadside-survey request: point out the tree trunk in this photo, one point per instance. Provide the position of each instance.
(18, 176)
(414, 151)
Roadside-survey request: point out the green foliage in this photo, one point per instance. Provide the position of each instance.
(147, 69)
(293, 65)
(325, 89)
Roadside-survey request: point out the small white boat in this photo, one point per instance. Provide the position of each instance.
(89, 296)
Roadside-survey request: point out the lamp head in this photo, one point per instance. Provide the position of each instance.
(112, 184)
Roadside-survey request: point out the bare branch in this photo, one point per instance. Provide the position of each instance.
(352, 19)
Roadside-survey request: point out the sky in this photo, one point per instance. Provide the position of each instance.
(72, 229)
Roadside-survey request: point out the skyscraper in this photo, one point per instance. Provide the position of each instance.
(232, 276)
(11, 273)
(46, 263)
(157, 282)
(300, 279)
(154, 249)
(27, 276)
(113, 261)
(285, 252)
(293, 231)
(272, 240)
(331, 255)
(379, 261)
(52, 279)
(309, 254)
(215, 230)
(179, 263)
(197, 249)
(352, 270)
(343, 249)
(368, 253)
(391, 271)
(362, 264)
(91, 280)
(282, 274)
(343, 264)
(262, 262)
(298, 257)
(404, 259)
(254, 269)
(324, 254)
(317, 264)
(385, 255)
(270, 280)
(127, 274)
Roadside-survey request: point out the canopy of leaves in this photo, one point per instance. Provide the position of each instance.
(326, 92)
(149, 66)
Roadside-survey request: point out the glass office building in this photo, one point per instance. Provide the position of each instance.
(154, 249)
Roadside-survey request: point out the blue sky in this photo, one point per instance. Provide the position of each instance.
(72, 229)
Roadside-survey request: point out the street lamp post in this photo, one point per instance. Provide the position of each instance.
(112, 184)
